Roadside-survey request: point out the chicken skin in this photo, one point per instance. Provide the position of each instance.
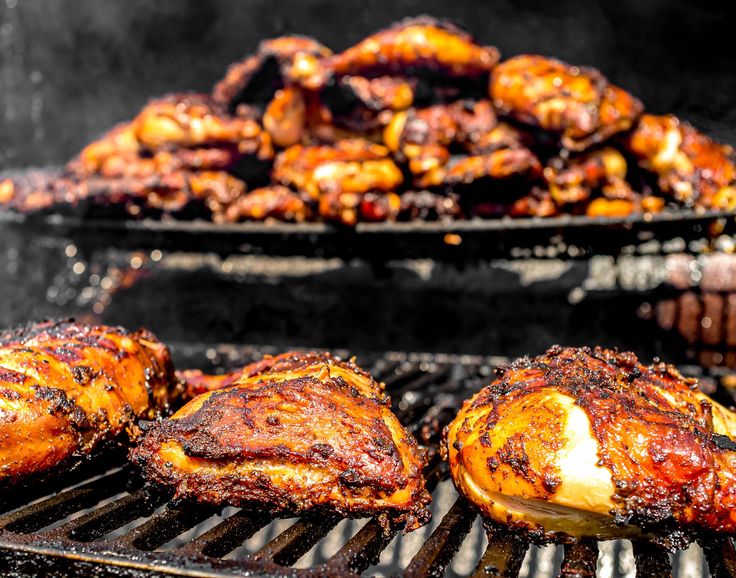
(294, 433)
(694, 169)
(275, 202)
(592, 443)
(278, 62)
(67, 388)
(422, 45)
(577, 103)
(194, 120)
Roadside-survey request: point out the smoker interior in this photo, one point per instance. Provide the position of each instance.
(105, 523)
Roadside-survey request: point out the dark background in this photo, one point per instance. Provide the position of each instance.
(69, 69)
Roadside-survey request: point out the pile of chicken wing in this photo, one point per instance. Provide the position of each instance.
(417, 121)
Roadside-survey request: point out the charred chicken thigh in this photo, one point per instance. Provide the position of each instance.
(293, 433)
(65, 388)
(592, 443)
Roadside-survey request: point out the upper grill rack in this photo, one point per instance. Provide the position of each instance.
(569, 236)
(104, 523)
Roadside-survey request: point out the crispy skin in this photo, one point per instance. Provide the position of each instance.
(577, 103)
(279, 62)
(273, 202)
(537, 203)
(581, 442)
(694, 169)
(380, 94)
(421, 45)
(165, 193)
(195, 120)
(119, 155)
(66, 388)
(352, 166)
(462, 123)
(294, 433)
(497, 165)
(574, 180)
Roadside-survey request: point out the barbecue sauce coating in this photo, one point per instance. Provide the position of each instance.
(421, 45)
(296, 432)
(691, 167)
(577, 103)
(65, 388)
(588, 442)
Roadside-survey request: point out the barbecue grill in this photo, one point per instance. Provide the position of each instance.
(99, 521)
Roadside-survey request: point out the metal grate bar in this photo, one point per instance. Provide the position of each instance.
(163, 527)
(443, 544)
(652, 561)
(99, 522)
(226, 536)
(286, 548)
(362, 550)
(503, 555)
(36, 516)
(581, 559)
(721, 556)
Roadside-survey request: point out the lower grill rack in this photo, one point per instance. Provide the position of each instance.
(105, 523)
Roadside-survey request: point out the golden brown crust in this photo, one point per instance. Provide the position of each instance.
(660, 453)
(294, 433)
(690, 166)
(274, 202)
(420, 45)
(577, 103)
(353, 166)
(66, 388)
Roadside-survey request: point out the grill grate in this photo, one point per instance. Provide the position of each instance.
(105, 523)
(566, 237)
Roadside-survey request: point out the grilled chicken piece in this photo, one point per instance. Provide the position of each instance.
(497, 165)
(352, 166)
(296, 432)
(423, 45)
(165, 193)
(273, 202)
(112, 157)
(537, 203)
(278, 63)
(363, 105)
(67, 388)
(694, 169)
(581, 442)
(194, 120)
(574, 180)
(577, 103)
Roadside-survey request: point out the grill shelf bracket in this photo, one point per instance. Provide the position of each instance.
(108, 525)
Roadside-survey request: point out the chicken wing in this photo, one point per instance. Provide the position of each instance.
(194, 120)
(691, 167)
(421, 45)
(581, 442)
(273, 202)
(294, 433)
(67, 388)
(352, 166)
(577, 103)
(279, 62)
